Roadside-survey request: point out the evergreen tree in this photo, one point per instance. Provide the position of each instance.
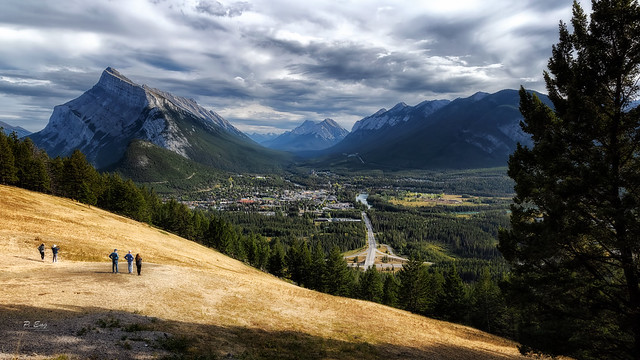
(487, 305)
(80, 179)
(56, 174)
(295, 266)
(574, 246)
(434, 284)
(262, 252)
(316, 271)
(371, 287)
(452, 305)
(276, 264)
(412, 285)
(7, 162)
(338, 280)
(390, 291)
(306, 265)
(39, 174)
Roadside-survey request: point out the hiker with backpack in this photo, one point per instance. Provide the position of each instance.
(41, 249)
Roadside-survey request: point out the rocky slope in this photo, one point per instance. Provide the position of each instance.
(105, 119)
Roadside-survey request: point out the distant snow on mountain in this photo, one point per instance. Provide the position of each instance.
(8, 129)
(309, 136)
(478, 131)
(398, 114)
(262, 137)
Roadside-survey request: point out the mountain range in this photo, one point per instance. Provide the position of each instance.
(309, 136)
(119, 124)
(474, 132)
(104, 121)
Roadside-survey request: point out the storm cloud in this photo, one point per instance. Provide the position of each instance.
(268, 65)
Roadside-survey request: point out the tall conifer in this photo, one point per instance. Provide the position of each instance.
(574, 246)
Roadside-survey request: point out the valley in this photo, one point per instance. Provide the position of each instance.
(189, 301)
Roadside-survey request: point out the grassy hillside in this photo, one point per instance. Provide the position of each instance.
(190, 300)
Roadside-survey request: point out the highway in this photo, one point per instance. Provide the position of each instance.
(371, 242)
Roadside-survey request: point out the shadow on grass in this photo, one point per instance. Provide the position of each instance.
(97, 333)
(33, 259)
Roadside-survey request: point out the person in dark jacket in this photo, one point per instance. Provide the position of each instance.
(138, 263)
(114, 261)
(54, 250)
(41, 249)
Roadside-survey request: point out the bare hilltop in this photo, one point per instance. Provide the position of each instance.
(190, 301)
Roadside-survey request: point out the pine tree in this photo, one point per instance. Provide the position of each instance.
(7, 162)
(276, 264)
(316, 272)
(434, 291)
(306, 264)
(452, 305)
(487, 305)
(574, 245)
(39, 179)
(80, 180)
(295, 265)
(412, 285)
(263, 252)
(338, 280)
(390, 291)
(371, 286)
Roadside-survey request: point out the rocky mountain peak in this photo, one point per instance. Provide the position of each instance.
(309, 136)
(103, 120)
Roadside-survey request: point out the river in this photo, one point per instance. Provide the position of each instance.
(362, 198)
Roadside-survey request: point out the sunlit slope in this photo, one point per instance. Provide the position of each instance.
(221, 306)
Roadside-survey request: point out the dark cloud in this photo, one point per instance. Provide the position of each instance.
(162, 61)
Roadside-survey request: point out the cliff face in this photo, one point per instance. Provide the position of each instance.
(103, 121)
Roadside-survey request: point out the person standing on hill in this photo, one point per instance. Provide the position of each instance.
(114, 261)
(138, 263)
(41, 249)
(54, 250)
(129, 259)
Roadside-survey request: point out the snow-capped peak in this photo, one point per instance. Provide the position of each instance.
(398, 114)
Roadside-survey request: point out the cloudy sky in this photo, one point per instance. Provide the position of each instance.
(268, 65)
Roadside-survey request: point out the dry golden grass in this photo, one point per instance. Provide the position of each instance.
(219, 305)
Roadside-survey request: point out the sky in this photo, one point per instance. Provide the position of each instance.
(268, 65)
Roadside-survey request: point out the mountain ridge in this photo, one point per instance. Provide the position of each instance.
(8, 129)
(309, 136)
(106, 118)
(474, 132)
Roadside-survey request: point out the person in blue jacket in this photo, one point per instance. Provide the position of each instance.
(54, 250)
(114, 261)
(129, 259)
